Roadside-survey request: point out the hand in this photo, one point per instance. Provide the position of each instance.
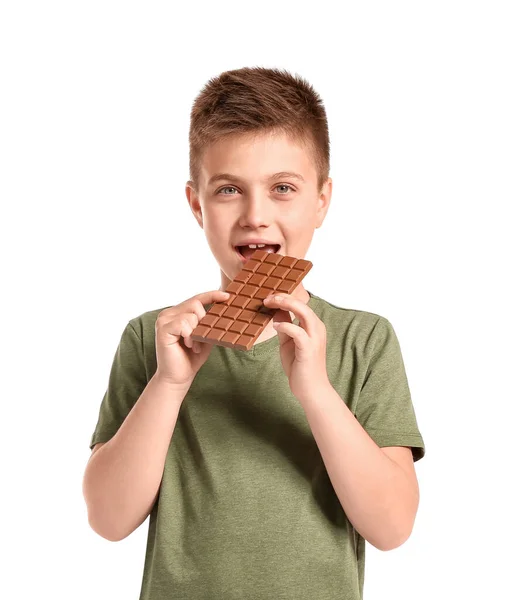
(178, 363)
(302, 347)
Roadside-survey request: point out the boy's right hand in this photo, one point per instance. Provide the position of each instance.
(179, 358)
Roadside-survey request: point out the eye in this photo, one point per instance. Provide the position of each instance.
(283, 185)
(228, 187)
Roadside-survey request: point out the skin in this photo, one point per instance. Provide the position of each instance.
(283, 209)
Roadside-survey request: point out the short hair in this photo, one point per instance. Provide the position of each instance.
(259, 100)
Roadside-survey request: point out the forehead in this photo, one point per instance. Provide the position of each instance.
(257, 157)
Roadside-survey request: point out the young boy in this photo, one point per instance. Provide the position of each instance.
(263, 471)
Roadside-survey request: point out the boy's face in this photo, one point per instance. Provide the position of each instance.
(254, 203)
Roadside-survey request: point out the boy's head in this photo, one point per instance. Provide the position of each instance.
(249, 129)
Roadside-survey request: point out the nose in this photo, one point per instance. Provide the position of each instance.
(255, 212)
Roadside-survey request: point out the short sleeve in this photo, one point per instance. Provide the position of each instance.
(127, 381)
(384, 407)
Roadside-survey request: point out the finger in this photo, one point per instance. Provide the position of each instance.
(181, 326)
(192, 321)
(194, 304)
(175, 329)
(282, 316)
(295, 332)
(281, 332)
(187, 331)
(302, 311)
(194, 307)
(210, 297)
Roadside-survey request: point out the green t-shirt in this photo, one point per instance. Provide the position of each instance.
(246, 508)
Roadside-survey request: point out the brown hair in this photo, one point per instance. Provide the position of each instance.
(255, 100)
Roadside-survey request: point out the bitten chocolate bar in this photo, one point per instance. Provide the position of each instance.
(238, 321)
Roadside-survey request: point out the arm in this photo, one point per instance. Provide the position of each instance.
(122, 477)
(379, 496)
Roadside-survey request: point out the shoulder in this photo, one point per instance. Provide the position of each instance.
(359, 331)
(144, 324)
(357, 321)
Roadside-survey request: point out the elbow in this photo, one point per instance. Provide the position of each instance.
(400, 528)
(99, 525)
(393, 544)
(394, 541)
(107, 533)
(108, 524)
(99, 521)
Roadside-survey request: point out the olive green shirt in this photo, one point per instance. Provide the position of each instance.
(246, 508)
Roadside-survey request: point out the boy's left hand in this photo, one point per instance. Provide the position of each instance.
(302, 346)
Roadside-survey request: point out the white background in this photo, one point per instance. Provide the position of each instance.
(423, 101)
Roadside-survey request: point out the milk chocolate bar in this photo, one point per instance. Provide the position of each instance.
(238, 321)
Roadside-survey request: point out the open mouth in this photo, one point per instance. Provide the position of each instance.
(245, 252)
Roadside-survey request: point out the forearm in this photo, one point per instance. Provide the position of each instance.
(374, 491)
(122, 478)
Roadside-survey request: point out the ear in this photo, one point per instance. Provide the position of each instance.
(194, 203)
(324, 200)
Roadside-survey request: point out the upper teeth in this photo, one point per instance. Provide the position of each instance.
(256, 245)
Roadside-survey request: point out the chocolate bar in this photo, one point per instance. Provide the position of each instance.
(238, 321)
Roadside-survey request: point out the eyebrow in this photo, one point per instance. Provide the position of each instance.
(230, 177)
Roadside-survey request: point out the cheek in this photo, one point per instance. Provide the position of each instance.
(297, 220)
(215, 219)
(217, 227)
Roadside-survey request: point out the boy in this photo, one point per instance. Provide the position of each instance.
(263, 471)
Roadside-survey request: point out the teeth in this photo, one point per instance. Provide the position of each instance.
(254, 246)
